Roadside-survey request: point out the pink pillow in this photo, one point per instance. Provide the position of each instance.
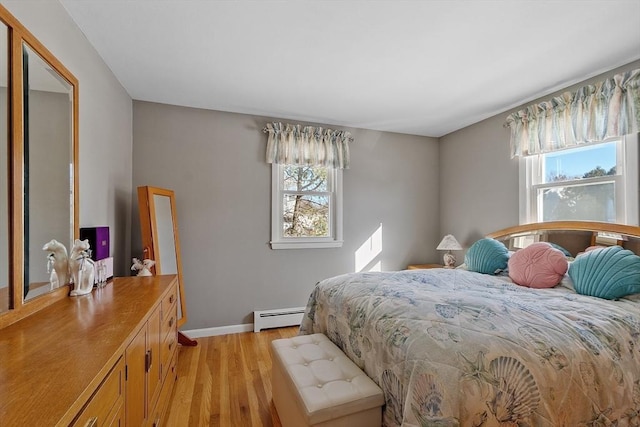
(539, 265)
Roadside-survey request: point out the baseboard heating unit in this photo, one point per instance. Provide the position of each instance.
(265, 319)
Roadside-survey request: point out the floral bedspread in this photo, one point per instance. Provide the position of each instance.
(452, 347)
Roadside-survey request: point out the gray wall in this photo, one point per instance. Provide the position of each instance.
(214, 162)
(105, 123)
(479, 179)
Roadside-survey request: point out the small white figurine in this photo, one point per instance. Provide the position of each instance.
(57, 263)
(82, 268)
(143, 267)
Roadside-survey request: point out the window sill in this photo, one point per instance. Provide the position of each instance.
(307, 245)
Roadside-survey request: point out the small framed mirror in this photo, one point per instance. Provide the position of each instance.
(161, 241)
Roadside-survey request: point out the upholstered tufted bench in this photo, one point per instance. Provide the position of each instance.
(315, 384)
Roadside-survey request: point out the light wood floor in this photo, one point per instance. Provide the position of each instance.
(226, 381)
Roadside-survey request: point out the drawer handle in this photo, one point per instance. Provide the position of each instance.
(92, 422)
(171, 345)
(148, 360)
(171, 299)
(171, 322)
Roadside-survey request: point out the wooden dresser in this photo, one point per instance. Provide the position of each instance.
(104, 359)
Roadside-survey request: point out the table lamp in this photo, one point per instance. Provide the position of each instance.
(449, 243)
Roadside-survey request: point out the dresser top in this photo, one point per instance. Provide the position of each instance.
(52, 361)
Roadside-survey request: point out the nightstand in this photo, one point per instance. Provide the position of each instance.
(424, 266)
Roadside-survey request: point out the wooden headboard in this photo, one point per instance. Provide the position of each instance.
(574, 236)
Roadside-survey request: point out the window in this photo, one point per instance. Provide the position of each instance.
(596, 182)
(306, 206)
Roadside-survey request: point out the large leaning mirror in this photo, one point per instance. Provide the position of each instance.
(38, 168)
(161, 241)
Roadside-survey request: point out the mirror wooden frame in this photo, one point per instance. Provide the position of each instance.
(18, 34)
(151, 248)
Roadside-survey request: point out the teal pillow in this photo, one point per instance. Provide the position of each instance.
(561, 249)
(487, 256)
(607, 273)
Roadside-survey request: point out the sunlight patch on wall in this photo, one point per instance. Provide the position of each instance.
(369, 252)
(376, 267)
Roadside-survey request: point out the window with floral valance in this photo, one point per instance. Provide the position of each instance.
(579, 153)
(593, 113)
(306, 180)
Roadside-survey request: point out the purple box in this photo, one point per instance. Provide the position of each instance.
(98, 239)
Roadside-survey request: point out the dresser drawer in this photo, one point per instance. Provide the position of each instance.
(116, 418)
(164, 401)
(168, 321)
(169, 300)
(106, 401)
(160, 411)
(167, 350)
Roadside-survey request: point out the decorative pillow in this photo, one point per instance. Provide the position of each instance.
(561, 249)
(608, 273)
(487, 256)
(591, 248)
(539, 265)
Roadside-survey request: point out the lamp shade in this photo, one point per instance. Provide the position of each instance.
(449, 243)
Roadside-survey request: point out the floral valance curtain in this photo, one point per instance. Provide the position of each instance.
(593, 113)
(307, 145)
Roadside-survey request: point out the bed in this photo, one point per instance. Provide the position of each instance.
(455, 347)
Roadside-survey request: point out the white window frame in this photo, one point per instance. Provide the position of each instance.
(626, 183)
(278, 240)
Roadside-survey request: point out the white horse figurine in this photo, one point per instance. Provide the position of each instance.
(58, 259)
(82, 268)
(143, 267)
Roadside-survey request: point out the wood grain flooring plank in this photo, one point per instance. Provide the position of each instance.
(200, 394)
(238, 376)
(204, 417)
(213, 361)
(224, 390)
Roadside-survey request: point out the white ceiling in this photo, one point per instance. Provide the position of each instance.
(417, 67)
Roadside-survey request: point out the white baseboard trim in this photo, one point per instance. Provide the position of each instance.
(221, 330)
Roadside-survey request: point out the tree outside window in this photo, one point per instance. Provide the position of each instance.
(306, 207)
(581, 201)
(306, 202)
(579, 184)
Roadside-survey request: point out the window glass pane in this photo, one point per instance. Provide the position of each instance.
(578, 163)
(305, 215)
(594, 202)
(305, 178)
